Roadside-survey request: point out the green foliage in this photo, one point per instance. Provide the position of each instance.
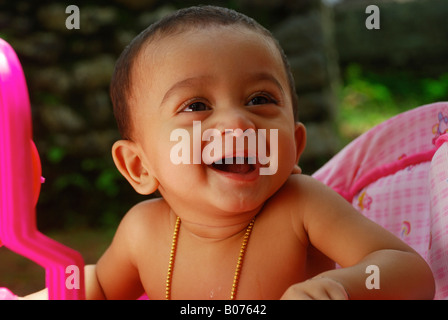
(436, 89)
(84, 192)
(56, 154)
(368, 98)
(107, 179)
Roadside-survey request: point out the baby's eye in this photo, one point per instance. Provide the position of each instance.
(261, 99)
(196, 106)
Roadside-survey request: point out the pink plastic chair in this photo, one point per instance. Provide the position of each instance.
(20, 180)
(396, 174)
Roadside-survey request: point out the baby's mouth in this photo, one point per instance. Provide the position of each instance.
(238, 165)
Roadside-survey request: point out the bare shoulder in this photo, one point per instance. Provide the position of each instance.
(303, 193)
(141, 225)
(305, 184)
(314, 199)
(290, 204)
(306, 200)
(148, 210)
(332, 224)
(137, 233)
(144, 218)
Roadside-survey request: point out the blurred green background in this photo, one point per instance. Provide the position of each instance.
(348, 79)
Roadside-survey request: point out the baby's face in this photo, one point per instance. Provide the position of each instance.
(214, 81)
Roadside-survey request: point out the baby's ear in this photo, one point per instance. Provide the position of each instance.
(300, 139)
(129, 162)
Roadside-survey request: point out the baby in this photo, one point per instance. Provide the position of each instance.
(223, 230)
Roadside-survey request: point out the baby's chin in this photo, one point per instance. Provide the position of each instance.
(241, 200)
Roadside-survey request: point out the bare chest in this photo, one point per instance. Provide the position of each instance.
(270, 264)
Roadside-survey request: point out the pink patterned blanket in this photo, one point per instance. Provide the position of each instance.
(396, 174)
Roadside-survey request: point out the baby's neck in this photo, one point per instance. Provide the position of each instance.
(218, 229)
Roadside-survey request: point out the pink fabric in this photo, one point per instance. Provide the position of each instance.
(438, 241)
(396, 174)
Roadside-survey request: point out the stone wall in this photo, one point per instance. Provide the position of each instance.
(413, 35)
(68, 74)
(307, 38)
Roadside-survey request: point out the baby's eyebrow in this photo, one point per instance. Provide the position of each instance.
(265, 76)
(189, 82)
(195, 81)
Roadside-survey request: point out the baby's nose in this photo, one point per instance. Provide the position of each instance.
(234, 122)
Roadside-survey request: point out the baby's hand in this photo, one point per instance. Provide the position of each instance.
(316, 289)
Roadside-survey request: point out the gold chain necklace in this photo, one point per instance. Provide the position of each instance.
(239, 264)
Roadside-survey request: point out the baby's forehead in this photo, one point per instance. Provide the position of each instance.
(176, 48)
(167, 39)
(158, 50)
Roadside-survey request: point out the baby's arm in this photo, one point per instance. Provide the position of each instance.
(116, 273)
(115, 276)
(335, 228)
